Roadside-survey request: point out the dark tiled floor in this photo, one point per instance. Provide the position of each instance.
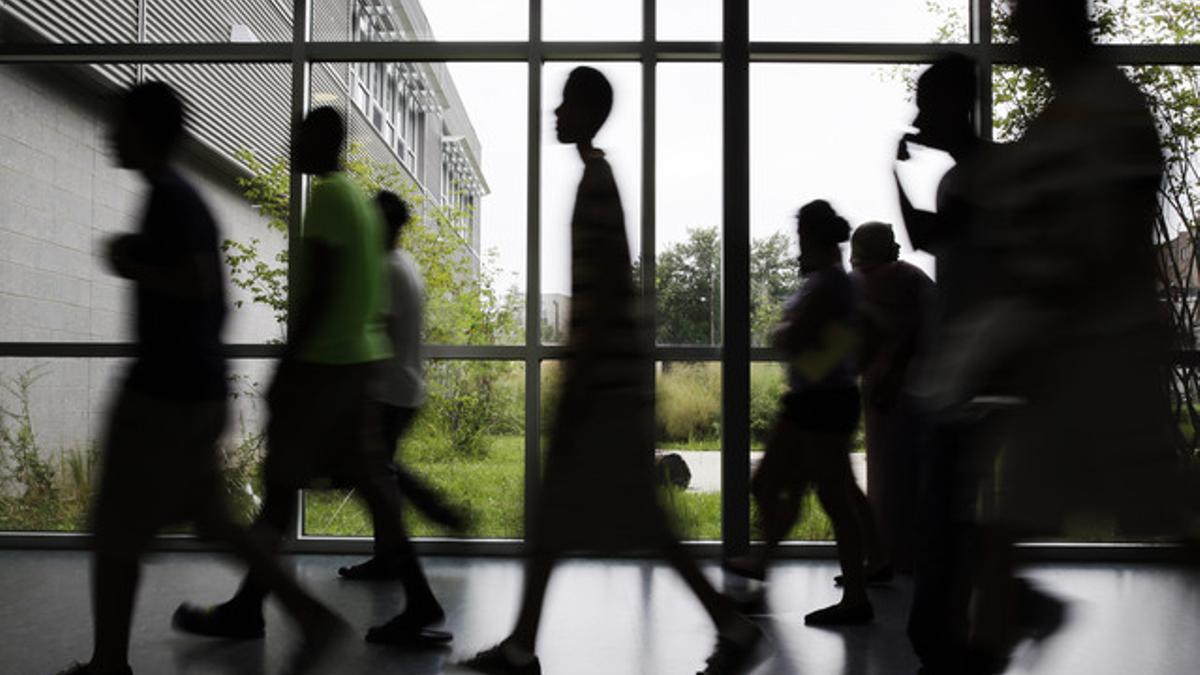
(603, 618)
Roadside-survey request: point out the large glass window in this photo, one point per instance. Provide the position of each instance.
(467, 133)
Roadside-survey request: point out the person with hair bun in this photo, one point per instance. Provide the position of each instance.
(810, 443)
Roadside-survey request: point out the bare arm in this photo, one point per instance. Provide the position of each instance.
(192, 279)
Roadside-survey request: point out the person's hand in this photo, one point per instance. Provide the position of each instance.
(120, 254)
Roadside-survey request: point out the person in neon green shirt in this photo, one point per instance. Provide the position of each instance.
(323, 426)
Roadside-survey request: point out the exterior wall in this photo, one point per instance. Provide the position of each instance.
(60, 198)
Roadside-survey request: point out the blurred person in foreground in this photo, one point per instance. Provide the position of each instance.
(598, 492)
(958, 439)
(160, 463)
(810, 443)
(323, 428)
(1079, 337)
(897, 301)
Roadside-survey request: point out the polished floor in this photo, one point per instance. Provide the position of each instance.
(603, 618)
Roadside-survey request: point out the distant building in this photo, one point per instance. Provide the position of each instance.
(60, 196)
(556, 313)
(1180, 261)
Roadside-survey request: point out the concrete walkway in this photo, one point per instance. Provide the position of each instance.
(706, 468)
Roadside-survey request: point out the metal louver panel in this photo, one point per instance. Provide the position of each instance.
(80, 21)
(234, 107)
(213, 20)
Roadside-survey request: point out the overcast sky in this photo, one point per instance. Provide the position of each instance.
(817, 131)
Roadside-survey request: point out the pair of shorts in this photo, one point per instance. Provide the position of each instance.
(323, 429)
(160, 467)
(833, 411)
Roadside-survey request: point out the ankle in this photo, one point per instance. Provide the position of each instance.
(517, 653)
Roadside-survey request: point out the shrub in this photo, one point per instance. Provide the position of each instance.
(767, 385)
(689, 401)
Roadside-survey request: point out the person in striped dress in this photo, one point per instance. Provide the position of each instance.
(598, 493)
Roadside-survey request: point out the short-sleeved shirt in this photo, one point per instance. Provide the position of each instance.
(179, 351)
(402, 382)
(830, 364)
(341, 217)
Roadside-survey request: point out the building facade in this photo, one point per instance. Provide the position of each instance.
(61, 198)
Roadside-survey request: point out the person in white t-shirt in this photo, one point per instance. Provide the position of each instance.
(400, 393)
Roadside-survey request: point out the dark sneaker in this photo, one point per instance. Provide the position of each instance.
(218, 621)
(733, 657)
(495, 661)
(375, 569)
(841, 615)
(412, 629)
(87, 669)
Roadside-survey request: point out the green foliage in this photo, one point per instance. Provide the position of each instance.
(688, 280)
(689, 401)
(767, 386)
(492, 490)
(22, 468)
(688, 276)
(37, 494)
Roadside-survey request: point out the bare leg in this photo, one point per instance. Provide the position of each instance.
(533, 599)
(875, 555)
(836, 500)
(114, 589)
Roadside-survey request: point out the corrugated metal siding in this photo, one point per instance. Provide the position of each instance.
(212, 20)
(234, 106)
(331, 20)
(81, 21)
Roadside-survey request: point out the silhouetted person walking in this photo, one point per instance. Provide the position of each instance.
(1083, 341)
(400, 390)
(160, 463)
(323, 424)
(897, 300)
(810, 443)
(957, 438)
(599, 493)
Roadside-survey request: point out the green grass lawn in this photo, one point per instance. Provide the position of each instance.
(492, 488)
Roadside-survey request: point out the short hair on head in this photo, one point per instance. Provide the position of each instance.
(157, 111)
(396, 215)
(818, 222)
(952, 79)
(326, 126)
(591, 89)
(1069, 20)
(874, 242)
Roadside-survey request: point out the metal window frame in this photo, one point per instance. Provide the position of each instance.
(735, 53)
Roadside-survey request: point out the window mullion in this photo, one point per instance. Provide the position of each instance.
(533, 266)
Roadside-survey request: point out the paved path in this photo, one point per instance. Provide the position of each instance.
(706, 468)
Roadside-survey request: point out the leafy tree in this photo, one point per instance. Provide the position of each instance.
(774, 275)
(462, 303)
(688, 278)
